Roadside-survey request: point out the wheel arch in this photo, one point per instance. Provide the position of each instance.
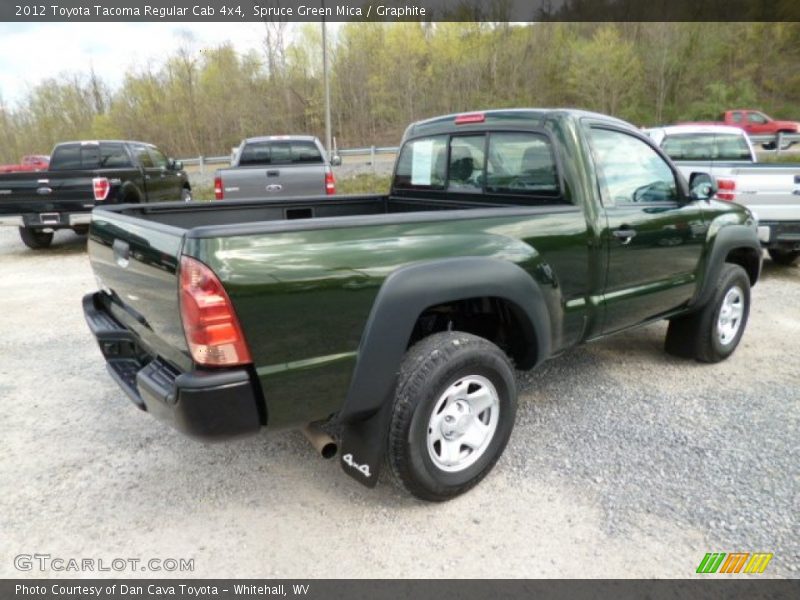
(404, 297)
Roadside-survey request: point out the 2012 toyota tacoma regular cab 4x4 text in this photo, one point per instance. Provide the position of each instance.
(81, 176)
(507, 237)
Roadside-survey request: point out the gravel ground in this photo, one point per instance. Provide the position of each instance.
(624, 462)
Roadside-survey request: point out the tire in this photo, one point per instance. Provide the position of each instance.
(186, 195)
(712, 333)
(427, 408)
(783, 257)
(35, 239)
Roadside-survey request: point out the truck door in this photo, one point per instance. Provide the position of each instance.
(758, 123)
(654, 235)
(153, 183)
(169, 180)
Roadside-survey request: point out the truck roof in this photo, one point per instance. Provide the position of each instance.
(447, 122)
(96, 142)
(278, 138)
(696, 128)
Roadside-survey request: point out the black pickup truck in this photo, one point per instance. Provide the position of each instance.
(83, 175)
(507, 237)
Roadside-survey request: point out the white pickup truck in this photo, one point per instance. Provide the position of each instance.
(770, 191)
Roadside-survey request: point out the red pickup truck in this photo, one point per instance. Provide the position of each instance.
(753, 122)
(32, 162)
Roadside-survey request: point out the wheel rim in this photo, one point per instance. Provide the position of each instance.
(463, 423)
(730, 315)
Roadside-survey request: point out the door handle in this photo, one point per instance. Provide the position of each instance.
(624, 235)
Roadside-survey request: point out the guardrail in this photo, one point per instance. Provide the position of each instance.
(779, 142)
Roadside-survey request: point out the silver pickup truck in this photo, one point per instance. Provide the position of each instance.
(276, 167)
(770, 191)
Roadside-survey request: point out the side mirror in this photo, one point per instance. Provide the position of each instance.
(702, 186)
(336, 160)
(175, 165)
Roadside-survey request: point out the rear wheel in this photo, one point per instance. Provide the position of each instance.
(35, 239)
(453, 414)
(713, 332)
(783, 257)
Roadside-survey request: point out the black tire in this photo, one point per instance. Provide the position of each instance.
(35, 239)
(186, 195)
(429, 368)
(698, 335)
(783, 257)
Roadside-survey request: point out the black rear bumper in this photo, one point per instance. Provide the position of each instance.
(209, 405)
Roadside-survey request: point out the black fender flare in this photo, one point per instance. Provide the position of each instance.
(130, 192)
(728, 238)
(403, 297)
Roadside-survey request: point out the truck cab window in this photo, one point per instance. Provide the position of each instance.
(756, 118)
(521, 163)
(143, 156)
(466, 164)
(159, 160)
(422, 164)
(629, 170)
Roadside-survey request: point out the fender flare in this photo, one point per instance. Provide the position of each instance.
(403, 297)
(727, 239)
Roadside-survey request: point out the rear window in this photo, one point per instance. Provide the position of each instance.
(507, 163)
(706, 146)
(276, 153)
(74, 157)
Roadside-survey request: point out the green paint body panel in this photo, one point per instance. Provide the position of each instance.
(304, 290)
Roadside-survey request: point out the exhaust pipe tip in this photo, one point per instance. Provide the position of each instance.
(324, 444)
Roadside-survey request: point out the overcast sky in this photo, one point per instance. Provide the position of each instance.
(31, 52)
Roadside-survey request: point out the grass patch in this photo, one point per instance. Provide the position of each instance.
(783, 157)
(366, 183)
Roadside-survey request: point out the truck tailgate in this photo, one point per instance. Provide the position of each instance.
(38, 192)
(136, 263)
(273, 183)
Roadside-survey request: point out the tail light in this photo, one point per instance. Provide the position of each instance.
(101, 186)
(212, 330)
(219, 194)
(726, 189)
(330, 182)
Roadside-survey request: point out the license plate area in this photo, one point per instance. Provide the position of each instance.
(50, 218)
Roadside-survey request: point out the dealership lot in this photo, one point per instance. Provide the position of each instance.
(624, 462)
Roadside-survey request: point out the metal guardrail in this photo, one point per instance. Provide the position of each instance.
(779, 142)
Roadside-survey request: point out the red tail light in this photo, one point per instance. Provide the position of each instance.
(212, 330)
(726, 189)
(219, 194)
(101, 186)
(330, 182)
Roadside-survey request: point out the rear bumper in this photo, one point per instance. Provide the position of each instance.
(56, 220)
(779, 234)
(208, 405)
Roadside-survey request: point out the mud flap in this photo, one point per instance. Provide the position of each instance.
(364, 446)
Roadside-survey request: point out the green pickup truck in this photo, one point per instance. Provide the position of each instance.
(508, 236)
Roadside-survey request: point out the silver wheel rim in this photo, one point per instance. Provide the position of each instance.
(730, 315)
(462, 423)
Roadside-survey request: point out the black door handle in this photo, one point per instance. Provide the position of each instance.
(624, 235)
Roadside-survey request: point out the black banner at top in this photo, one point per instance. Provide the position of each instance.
(397, 10)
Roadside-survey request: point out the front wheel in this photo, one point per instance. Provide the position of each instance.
(713, 332)
(186, 195)
(35, 239)
(783, 257)
(453, 413)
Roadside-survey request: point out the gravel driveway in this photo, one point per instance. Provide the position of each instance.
(624, 462)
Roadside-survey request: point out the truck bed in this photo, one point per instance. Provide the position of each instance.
(249, 213)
